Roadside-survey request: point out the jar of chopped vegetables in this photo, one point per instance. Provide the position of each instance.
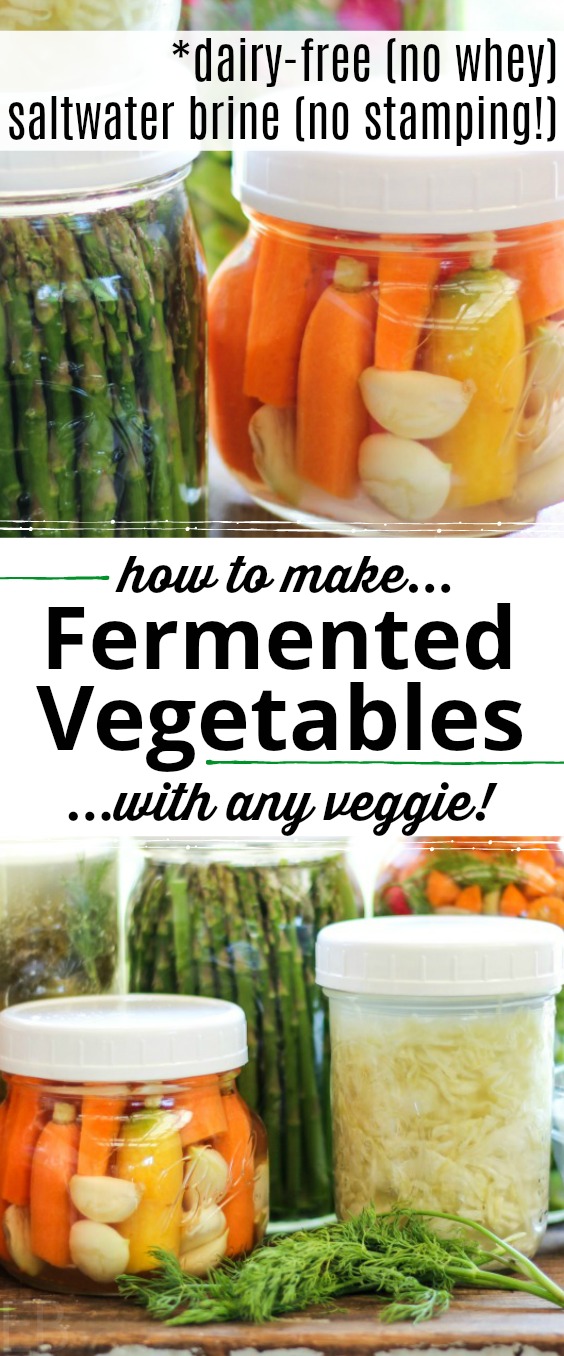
(123, 1131)
(362, 374)
(442, 1036)
(518, 878)
(102, 347)
(59, 926)
(239, 921)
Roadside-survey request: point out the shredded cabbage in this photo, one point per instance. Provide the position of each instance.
(445, 1111)
(88, 14)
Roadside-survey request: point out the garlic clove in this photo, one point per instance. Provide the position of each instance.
(415, 404)
(207, 1178)
(198, 1261)
(17, 1233)
(106, 1200)
(201, 1227)
(272, 432)
(536, 490)
(404, 476)
(98, 1251)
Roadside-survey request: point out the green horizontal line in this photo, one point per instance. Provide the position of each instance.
(387, 762)
(46, 578)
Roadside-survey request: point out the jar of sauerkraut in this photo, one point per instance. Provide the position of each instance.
(442, 1036)
(386, 345)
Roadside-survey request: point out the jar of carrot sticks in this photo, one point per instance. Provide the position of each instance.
(387, 344)
(123, 1132)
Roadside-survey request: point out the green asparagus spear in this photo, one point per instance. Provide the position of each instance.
(281, 960)
(186, 319)
(269, 1103)
(25, 370)
(10, 488)
(128, 419)
(96, 459)
(182, 927)
(128, 260)
(242, 969)
(156, 255)
(317, 1166)
(47, 303)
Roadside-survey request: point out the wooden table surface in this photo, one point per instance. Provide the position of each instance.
(515, 1325)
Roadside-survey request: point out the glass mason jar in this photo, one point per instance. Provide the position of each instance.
(362, 375)
(123, 1131)
(21, 15)
(59, 929)
(442, 1037)
(102, 348)
(515, 877)
(239, 921)
(511, 877)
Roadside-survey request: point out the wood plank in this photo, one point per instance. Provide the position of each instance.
(50, 1325)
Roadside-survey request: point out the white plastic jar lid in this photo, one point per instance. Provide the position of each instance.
(121, 1040)
(411, 192)
(70, 174)
(428, 956)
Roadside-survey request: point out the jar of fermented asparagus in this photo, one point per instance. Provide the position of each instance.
(102, 348)
(239, 921)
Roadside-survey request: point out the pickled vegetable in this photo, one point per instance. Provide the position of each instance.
(446, 1111)
(477, 335)
(515, 879)
(102, 427)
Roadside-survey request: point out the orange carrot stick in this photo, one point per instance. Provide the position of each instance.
(52, 1211)
(332, 420)
(22, 1127)
(229, 308)
(285, 290)
(237, 1148)
(405, 294)
(206, 1107)
(537, 260)
(100, 1120)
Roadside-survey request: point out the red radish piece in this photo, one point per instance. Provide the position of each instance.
(397, 901)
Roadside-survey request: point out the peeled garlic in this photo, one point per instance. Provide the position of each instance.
(17, 1234)
(273, 436)
(404, 476)
(99, 1251)
(106, 1200)
(201, 1227)
(208, 1177)
(64, 1113)
(199, 1261)
(415, 404)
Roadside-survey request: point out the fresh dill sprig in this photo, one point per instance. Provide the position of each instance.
(396, 1257)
